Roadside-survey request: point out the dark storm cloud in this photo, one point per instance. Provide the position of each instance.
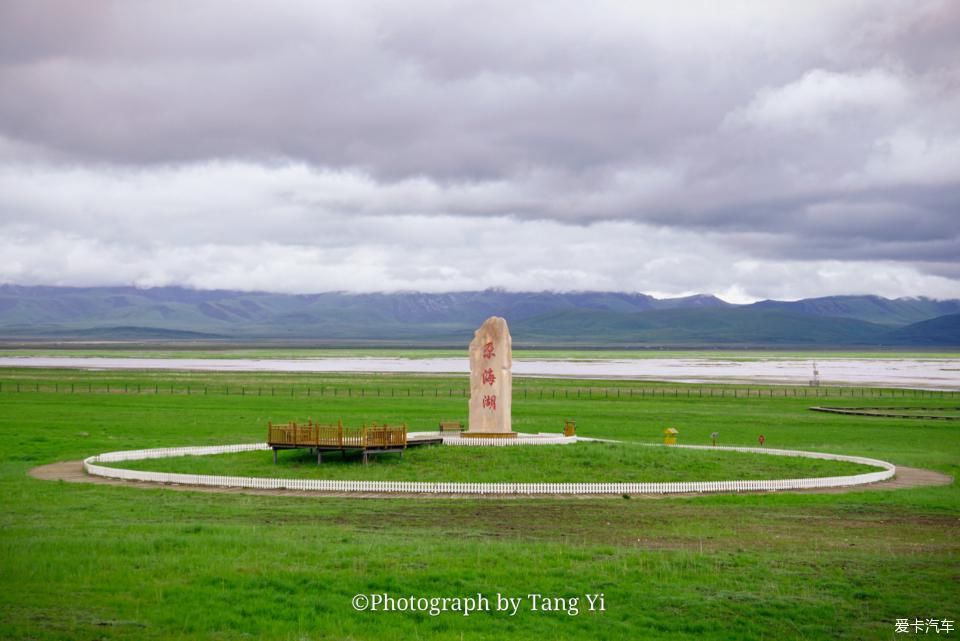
(768, 131)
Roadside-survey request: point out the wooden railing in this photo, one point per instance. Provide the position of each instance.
(337, 436)
(385, 436)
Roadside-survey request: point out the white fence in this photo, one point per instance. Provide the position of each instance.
(887, 471)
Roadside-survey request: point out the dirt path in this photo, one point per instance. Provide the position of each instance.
(72, 472)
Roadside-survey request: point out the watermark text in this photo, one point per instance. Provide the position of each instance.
(468, 605)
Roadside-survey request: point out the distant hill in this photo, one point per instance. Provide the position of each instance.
(874, 309)
(547, 318)
(733, 326)
(944, 330)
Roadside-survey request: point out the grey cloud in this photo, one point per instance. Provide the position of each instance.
(772, 131)
(447, 90)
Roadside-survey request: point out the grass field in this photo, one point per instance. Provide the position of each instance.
(580, 463)
(105, 562)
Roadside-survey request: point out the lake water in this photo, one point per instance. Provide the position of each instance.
(917, 373)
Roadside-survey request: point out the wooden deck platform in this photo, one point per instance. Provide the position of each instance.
(372, 439)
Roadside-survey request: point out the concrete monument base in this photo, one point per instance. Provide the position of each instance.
(488, 435)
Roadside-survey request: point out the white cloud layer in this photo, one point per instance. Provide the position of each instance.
(818, 96)
(242, 241)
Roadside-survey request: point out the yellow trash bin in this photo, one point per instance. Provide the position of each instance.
(670, 436)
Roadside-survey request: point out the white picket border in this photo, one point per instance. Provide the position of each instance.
(90, 464)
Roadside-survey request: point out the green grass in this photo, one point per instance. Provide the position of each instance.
(580, 463)
(81, 561)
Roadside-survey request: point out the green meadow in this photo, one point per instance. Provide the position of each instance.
(580, 463)
(84, 561)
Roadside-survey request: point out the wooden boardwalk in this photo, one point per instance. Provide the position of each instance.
(373, 439)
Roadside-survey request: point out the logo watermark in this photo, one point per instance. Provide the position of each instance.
(923, 626)
(479, 602)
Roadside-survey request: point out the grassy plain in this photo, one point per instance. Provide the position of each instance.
(104, 562)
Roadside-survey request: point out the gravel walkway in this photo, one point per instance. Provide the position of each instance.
(73, 472)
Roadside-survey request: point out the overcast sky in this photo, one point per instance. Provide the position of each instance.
(748, 149)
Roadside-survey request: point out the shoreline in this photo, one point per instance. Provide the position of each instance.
(922, 374)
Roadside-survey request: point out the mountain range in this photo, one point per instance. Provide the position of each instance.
(536, 318)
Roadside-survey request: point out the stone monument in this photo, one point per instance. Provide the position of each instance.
(491, 383)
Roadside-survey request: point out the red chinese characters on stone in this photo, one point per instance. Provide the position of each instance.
(488, 377)
(490, 402)
(488, 352)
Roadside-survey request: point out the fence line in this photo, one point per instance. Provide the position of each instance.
(689, 391)
(887, 471)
